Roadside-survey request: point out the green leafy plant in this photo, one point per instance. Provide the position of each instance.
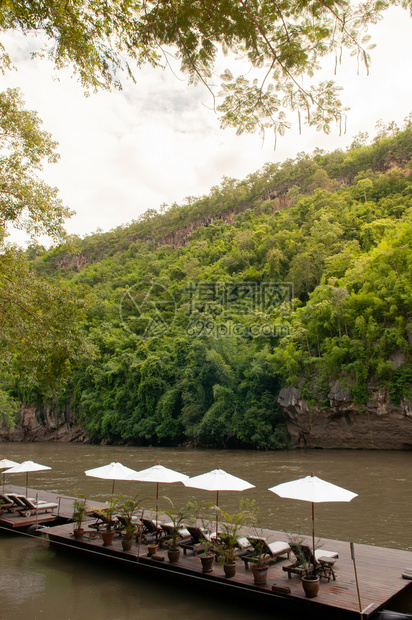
(79, 511)
(178, 516)
(106, 514)
(304, 554)
(230, 533)
(203, 513)
(259, 556)
(128, 508)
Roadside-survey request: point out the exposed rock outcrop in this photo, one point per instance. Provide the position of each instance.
(377, 425)
(176, 239)
(41, 424)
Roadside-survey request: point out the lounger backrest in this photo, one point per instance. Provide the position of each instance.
(16, 499)
(27, 503)
(149, 525)
(302, 553)
(259, 545)
(169, 529)
(6, 501)
(197, 533)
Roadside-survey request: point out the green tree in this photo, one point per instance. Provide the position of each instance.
(26, 202)
(40, 337)
(102, 38)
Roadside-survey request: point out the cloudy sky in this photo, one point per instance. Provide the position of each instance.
(158, 141)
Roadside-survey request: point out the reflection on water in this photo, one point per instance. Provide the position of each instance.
(40, 584)
(43, 584)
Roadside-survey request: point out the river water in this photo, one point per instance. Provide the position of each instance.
(39, 583)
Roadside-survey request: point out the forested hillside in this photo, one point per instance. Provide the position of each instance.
(299, 275)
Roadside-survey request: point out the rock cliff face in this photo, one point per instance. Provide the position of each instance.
(377, 425)
(178, 238)
(41, 424)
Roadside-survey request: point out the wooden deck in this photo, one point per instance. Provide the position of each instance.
(379, 572)
(63, 511)
(379, 569)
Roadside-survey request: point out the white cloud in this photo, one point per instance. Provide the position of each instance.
(156, 141)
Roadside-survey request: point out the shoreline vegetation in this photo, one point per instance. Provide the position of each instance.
(296, 278)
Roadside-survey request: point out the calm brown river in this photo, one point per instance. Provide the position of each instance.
(37, 583)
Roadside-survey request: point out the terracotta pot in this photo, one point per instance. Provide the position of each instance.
(207, 562)
(127, 544)
(260, 574)
(230, 569)
(78, 533)
(107, 538)
(152, 549)
(311, 586)
(173, 555)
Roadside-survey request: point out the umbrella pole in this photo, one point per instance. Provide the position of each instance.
(27, 483)
(140, 536)
(217, 512)
(4, 478)
(313, 535)
(157, 508)
(112, 489)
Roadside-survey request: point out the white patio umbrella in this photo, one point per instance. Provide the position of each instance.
(6, 463)
(158, 474)
(218, 480)
(315, 490)
(114, 471)
(26, 467)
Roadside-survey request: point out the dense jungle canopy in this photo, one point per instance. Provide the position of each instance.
(184, 326)
(299, 274)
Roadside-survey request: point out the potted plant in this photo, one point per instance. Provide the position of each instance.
(207, 557)
(152, 548)
(202, 514)
(177, 517)
(229, 537)
(107, 515)
(305, 561)
(260, 558)
(260, 564)
(79, 512)
(128, 508)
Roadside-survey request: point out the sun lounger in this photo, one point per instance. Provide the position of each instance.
(243, 548)
(122, 521)
(305, 561)
(15, 502)
(31, 507)
(270, 550)
(150, 531)
(197, 541)
(7, 503)
(168, 529)
(101, 520)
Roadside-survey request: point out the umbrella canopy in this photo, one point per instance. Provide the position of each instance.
(26, 467)
(158, 473)
(6, 463)
(114, 471)
(315, 490)
(218, 480)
